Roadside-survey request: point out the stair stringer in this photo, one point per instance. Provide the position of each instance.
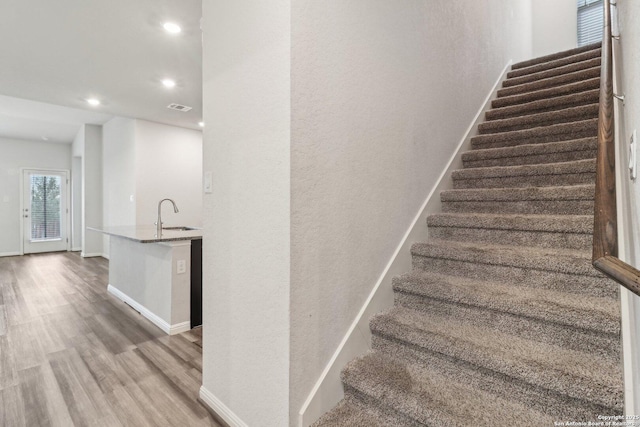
(328, 389)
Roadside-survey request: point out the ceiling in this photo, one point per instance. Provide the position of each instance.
(65, 51)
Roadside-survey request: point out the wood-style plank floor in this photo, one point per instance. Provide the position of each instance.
(73, 355)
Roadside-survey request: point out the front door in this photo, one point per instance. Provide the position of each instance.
(45, 211)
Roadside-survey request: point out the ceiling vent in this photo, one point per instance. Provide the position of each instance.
(179, 107)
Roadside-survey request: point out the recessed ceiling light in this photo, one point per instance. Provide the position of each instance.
(93, 101)
(201, 124)
(44, 138)
(169, 83)
(171, 27)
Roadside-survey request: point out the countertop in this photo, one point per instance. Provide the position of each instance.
(147, 233)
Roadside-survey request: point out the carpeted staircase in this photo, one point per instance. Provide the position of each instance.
(503, 321)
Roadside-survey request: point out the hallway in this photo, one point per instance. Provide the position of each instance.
(70, 354)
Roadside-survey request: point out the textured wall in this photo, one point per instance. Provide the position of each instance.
(627, 55)
(246, 218)
(554, 26)
(382, 93)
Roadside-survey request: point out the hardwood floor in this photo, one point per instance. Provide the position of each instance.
(71, 354)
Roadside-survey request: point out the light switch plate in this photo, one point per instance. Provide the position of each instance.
(208, 182)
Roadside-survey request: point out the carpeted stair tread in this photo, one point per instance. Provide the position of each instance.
(515, 222)
(556, 55)
(577, 375)
(544, 105)
(572, 192)
(601, 315)
(578, 149)
(550, 82)
(545, 174)
(548, 65)
(552, 133)
(554, 92)
(546, 74)
(570, 114)
(544, 231)
(567, 261)
(352, 413)
(564, 200)
(420, 393)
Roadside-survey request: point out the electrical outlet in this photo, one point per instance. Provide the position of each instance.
(633, 161)
(181, 266)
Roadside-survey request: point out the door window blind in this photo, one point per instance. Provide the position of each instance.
(590, 21)
(45, 207)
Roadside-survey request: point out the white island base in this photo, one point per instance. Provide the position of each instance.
(145, 276)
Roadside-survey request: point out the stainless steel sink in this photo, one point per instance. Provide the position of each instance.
(181, 228)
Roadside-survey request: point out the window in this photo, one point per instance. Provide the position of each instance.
(590, 21)
(45, 207)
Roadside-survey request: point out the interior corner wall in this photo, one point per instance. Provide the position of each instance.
(168, 164)
(76, 203)
(92, 244)
(119, 177)
(381, 96)
(627, 60)
(246, 82)
(17, 154)
(554, 26)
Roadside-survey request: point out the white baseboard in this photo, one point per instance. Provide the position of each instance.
(90, 255)
(76, 249)
(176, 328)
(328, 390)
(220, 408)
(10, 254)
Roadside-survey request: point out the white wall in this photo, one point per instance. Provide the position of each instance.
(381, 95)
(76, 203)
(554, 25)
(627, 56)
(246, 81)
(168, 165)
(92, 244)
(119, 171)
(119, 174)
(16, 154)
(145, 162)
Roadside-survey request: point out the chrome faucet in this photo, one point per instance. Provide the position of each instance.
(159, 223)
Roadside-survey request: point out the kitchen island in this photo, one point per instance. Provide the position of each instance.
(155, 275)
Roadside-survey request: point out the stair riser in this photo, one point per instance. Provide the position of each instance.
(542, 106)
(555, 72)
(536, 329)
(582, 86)
(548, 119)
(555, 56)
(353, 394)
(514, 237)
(500, 142)
(550, 83)
(531, 159)
(548, 207)
(596, 53)
(526, 181)
(554, 404)
(539, 279)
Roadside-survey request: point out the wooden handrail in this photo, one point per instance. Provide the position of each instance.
(605, 229)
